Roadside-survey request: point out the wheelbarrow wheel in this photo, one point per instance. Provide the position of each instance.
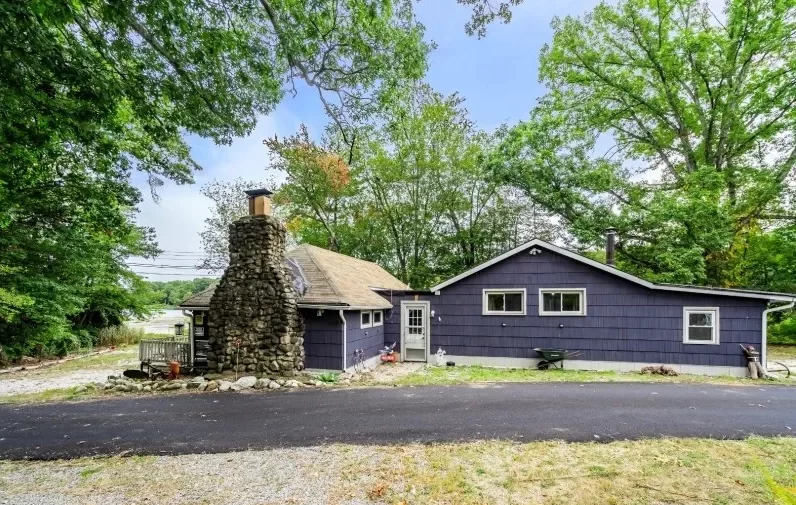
(543, 365)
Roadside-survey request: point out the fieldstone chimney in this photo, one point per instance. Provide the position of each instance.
(254, 323)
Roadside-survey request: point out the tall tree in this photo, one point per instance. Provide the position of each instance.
(673, 124)
(93, 90)
(229, 203)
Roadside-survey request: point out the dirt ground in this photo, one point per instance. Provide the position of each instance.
(76, 372)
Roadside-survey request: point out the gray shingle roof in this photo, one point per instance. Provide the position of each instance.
(335, 279)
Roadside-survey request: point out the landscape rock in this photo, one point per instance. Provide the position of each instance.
(196, 383)
(224, 385)
(212, 386)
(261, 383)
(213, 376)
(147, 389)
(292, 384)
(81, 389)
(246, 382)
(273, 385)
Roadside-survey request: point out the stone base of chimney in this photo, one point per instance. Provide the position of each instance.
(254, 323)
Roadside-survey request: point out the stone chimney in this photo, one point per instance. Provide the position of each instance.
(254, 323)
(610, 247)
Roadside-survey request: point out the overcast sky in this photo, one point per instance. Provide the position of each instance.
(496, 75)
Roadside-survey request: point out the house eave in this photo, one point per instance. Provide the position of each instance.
(612, 271)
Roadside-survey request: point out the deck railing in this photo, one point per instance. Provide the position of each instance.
(163, 350)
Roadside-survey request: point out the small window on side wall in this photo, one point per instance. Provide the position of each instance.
(377, 318)
(504, 302)
(700, 325)
(365, 320)
(562, 302)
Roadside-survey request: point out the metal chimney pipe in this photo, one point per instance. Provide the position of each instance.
(610, 246)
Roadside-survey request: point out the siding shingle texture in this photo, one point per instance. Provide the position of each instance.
(624, 321)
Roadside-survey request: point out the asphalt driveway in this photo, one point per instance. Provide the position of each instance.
(199, 423)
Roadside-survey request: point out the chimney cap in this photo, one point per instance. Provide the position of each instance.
(258, 192)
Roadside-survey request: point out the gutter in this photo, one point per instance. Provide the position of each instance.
(764, 343)
(342, 318)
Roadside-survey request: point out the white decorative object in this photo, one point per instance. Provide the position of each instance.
(440, 357)
(535, 251)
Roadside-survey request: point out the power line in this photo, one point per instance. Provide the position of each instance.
(178, 274)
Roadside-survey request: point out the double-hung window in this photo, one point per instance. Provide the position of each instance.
(504, 302)
(700, 325)
(562, 302)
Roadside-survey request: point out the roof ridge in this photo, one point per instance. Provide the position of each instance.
(332, 282)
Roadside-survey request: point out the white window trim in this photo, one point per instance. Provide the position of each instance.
(485, 306)
(716, 332)
(580, 291)
(373, 319)
(370, 318)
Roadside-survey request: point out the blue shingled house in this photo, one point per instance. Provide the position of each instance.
(536, 295)
(539, 295)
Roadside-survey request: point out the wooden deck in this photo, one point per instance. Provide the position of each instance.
(163, 350)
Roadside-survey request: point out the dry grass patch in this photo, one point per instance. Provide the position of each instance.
(668, 471)
(642, 472)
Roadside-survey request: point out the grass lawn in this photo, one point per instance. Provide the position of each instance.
(782, 352)
(52, 395)
(666, 471)
(469, 374)
(122, 356)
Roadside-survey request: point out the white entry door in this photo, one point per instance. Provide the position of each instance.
(414, 331)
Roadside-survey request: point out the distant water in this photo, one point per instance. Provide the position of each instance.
(161, 322)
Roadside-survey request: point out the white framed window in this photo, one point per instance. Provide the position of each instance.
(504, 302)
(377, 318)
(700, 325)
(365, 319)
(562, 302)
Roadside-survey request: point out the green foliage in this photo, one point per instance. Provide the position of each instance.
(93, 92)
(413, 193)
(784, 331)
(329, 377)
(119, 335)
(173, 293)
(699, 119)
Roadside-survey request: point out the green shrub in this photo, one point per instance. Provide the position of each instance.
(328, 377)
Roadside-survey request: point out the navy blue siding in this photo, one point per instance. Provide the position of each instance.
(624, 321)
(370, 339)
(323, 340)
